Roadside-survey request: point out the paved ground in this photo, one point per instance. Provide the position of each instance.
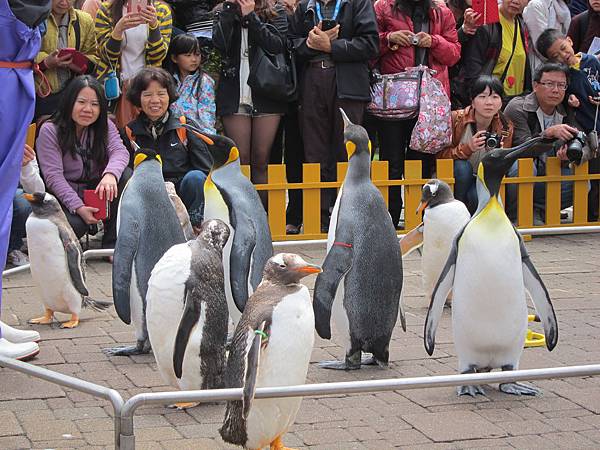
(35, 414)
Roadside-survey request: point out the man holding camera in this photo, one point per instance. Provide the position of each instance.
(542, 111)
(334, 41)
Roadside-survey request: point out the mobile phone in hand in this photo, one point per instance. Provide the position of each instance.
(328, 24)
(137, 5)
(90, 198)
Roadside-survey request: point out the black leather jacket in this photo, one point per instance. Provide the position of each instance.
(191, 11)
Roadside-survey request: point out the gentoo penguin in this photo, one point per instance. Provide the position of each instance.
(181, 211)
(362, 273)
(187, 311)
(231, 197)
(489, 270)
(57, 267)
(272, 345)
(443, 218)
(147, 226)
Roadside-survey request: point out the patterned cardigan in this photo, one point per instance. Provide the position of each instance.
(109, 48)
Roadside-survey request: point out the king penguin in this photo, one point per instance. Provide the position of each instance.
(362, 272)
(443, 218)
(187, 311)
(57, 266)
(231, 197)
(142, 238)
(489, 270)
(271, 347)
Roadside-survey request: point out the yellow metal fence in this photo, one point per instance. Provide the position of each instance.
(311, 186)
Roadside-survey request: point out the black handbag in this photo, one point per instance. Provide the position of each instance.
(274, 76)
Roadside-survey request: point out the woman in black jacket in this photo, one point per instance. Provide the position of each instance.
(250, 119)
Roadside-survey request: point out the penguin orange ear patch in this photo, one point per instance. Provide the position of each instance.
(350, 148)
(139, 158)
(234, 154)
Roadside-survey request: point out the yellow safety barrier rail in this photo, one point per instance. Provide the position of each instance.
(311, 186)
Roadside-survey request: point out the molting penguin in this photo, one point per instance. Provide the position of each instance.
(443, 218)
(231, 197)
(187, 311)
(272, 345)
(489, 270)
(181, 211)
(56, 260)
(362, 272)
(142, 238)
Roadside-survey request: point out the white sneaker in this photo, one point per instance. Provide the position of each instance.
(21, 352)
(17, 258)
(18, 336)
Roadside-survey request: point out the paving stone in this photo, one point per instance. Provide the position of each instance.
(568, 424)
(21, 387)
(22, 405)
(325, 436)
(157, 434)
(526, 427)
(448, 426)
(47, 430)
(9, 425)
(104, 437)
(14, 442)
(191, 444)
(97, 424)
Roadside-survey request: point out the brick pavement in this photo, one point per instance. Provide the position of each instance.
(36, 414)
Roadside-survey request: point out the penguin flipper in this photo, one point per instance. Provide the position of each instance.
(259, 341)
(338, 263)
(439, 296)
(125, 250)
(189, 318)
(74, 261)
(244, 241)
(540, 297)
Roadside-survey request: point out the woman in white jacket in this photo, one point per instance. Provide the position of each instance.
(540, 15)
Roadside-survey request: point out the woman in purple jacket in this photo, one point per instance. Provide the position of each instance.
(79, 148)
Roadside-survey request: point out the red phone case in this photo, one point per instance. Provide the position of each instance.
(90, 198)
(77, 58)
(488, 10)
(138, 4)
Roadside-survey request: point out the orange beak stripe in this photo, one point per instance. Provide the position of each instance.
(310, 269)
(28, 197)
(421, 207)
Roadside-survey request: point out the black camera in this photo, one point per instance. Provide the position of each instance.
(492, 140)
(575, 148)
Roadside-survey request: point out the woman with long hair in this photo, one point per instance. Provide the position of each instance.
(249, 118)
(79, 148)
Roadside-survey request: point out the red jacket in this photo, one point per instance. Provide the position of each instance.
(444, 51)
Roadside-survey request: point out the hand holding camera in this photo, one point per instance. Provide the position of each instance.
(421, 39)
(477, 142)
(402, 38)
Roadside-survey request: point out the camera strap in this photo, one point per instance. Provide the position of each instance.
(336, 11)
(514, 45)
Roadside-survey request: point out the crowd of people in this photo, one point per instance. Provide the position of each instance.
(122, 73)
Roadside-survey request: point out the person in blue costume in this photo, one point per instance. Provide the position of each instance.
(21, 39)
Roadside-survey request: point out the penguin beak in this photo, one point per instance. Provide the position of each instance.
(345, 118)
(422, 206)
(310, 268)
(530, 149)
(29, 197)
(198, 134)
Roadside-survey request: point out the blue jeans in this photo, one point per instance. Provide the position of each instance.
(191, 191)
(539, 190)
(465, 184)
(21, 211)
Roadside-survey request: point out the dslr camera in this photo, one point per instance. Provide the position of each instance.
(492, 140)
(575, 148)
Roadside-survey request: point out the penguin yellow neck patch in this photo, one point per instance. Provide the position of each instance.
(141, 157)
(350, 148)
(234, 154)
(369, 146)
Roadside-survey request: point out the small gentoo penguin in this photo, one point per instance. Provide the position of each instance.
(231, 197)
(181, 211)
(489, 270)
(186, 311)
(272, 345)
(147, 226)
(57, 266)
(362, 273)
(443, 218)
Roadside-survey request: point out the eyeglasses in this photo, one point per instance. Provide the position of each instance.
(554, 85)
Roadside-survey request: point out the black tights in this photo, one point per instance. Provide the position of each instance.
(254, 137)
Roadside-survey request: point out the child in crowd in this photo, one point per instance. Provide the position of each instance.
(196, 89)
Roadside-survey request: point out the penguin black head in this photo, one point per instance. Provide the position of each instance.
(221, 148)
(214, 232)
(43, 203)
(356, 138)
(145, 154)
(496, 163)
(435, 192)
(288, 268)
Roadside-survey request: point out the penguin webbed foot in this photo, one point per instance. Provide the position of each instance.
(141, 348)
(46, 319)
(351, 362)
(519, 389)
(73, 323)
(277, 444)
(183, 405)
(470, 390)
(372, 361)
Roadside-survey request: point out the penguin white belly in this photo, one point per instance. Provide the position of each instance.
(215, 208)
(489, 310)
(333, 220)
(284, 362)
(49, 267)
(164, 308)
(440, 226)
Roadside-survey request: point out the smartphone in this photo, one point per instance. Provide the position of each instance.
(328, 24)
(90, 198)
(77, 58)
(137, 5)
